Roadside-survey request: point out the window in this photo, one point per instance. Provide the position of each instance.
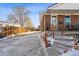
(67, 21)
(53, 20)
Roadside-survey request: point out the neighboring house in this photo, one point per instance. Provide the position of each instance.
(5, 23)
(61, 16)
(8, 28)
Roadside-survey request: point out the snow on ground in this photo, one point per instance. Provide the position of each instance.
(59, 44)
(51, 40)
(30, 45)
(71, 52)
(25, 45)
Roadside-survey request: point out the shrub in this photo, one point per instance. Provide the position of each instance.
(76, 27)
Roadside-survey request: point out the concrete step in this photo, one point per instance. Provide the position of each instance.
(63, 43)
(66, 42)
(52, 51)
(56, 50)
(64, 38)
(58, 47)
(61, 48)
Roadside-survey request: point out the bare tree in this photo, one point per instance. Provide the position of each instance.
(12, 18)
(18, 15)
(28, 22)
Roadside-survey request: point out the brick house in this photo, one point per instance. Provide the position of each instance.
(61, 16)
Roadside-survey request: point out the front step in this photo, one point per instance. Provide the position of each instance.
(64, 38)
(58, 47)
(52, 52)
(61, 48)
(61, 39)
(64, 44)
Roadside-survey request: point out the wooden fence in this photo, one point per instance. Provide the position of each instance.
(12, 30)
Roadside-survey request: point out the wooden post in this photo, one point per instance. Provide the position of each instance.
(45, 39)
(53, 34)
(45, 34)
(62, 33)
(75, 40)
(62, 30)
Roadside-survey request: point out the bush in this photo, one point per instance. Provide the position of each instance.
(76, 27)
(31, 29)
(1, 36)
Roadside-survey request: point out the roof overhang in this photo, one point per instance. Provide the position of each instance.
(65, 6)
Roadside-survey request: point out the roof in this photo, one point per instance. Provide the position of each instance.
(8, 23)
(65, 6)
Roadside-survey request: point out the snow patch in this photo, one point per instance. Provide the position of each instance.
(71, 52)
(51, 40)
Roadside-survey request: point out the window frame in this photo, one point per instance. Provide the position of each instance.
(53, 23)
(65, 20)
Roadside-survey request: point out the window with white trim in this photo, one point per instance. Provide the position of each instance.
(53, 21)
(67, 21)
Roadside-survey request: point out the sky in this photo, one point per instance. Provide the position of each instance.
(34, 8)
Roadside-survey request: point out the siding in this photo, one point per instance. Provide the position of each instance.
(47, 22)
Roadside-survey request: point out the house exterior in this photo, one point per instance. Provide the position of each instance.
(61, 16)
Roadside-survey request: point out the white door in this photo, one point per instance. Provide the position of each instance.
(54, 21)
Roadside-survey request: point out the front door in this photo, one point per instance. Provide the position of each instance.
(61, 25)
(54, 22)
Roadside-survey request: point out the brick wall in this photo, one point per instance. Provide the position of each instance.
(61, 26)
(74, 19)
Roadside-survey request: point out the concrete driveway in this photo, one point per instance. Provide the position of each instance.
(25, 45)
